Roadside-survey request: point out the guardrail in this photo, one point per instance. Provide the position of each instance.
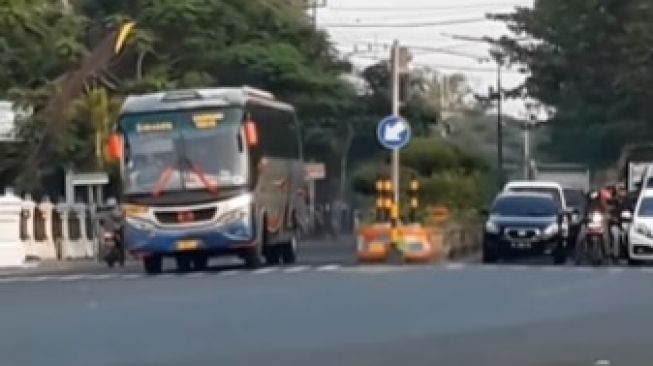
(45, 230)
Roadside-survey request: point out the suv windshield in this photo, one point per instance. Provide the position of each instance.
(524, 206)
(553, 192)
(183, 150)
(575, 198)
(646, 207)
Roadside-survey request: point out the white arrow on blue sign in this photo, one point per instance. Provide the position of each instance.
(393, 132)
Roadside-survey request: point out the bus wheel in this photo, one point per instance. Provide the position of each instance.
(183, 263)
(201, 262)
(252, 259)
(289, 251)
(152, 264)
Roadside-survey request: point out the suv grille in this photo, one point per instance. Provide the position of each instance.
(522, 233)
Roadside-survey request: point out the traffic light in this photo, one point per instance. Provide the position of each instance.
(413, 194)
(380, 199)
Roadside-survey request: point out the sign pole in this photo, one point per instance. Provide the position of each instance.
(395, 112)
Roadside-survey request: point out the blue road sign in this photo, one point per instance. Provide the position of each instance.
(393, 132)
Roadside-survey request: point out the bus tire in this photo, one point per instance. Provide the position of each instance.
(200, 262)
(184, 263)
(289, 251)
(152, 265)
(252, 259)
(270, 252)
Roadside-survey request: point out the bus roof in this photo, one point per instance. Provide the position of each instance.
(200, 98)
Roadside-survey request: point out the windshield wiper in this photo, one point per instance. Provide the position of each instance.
(163, 181)
(212, 188)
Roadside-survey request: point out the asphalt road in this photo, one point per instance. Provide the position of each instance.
(331, 314)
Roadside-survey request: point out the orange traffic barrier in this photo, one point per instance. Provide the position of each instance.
(374, 243)
(419, 244)
(416, 244)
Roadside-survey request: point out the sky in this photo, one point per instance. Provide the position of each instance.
(352, 25)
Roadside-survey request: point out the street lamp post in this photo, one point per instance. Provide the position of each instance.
(531, 123)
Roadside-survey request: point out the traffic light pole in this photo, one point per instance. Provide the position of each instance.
(395, 112)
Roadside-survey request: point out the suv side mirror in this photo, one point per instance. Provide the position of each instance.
(626, 215)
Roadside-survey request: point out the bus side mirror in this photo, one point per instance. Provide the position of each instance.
(115, 147)
(251, 133)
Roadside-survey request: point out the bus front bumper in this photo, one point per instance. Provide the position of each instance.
(214, 240)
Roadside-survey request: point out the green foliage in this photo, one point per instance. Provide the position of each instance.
(448, 175)
(264, 43)
(591, 61)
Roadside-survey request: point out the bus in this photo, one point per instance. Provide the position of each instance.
(210, 172)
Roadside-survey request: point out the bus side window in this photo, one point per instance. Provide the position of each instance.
(277, 133)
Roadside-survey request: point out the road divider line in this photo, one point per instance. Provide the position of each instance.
(296, 269)
(264, 271)
(329, 268)
(455, 266)
(232, 272)
(75, 277)
(132, 276)
(584, 269)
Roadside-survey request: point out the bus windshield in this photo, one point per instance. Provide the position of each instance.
(183, 150)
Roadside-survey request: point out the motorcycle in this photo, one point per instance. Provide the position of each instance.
(593, 245)
(624, 226)
(114, 253)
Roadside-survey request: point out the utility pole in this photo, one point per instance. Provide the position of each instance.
(499, 125)
(65, 4)
(313, 6)
(527, 152)
(394, 84)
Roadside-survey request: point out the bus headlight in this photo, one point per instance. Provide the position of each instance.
(135, 211)
(238, 215)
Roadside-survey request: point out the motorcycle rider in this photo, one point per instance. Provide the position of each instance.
(596, 203)
(113, 222)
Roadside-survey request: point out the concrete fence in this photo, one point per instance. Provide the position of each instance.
(45, 231)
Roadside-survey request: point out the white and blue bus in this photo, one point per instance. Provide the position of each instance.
(210, 172)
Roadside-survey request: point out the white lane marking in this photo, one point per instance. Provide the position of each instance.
(197, 274)
(132, 276)
(584, 269)
(41, 278)
(455, 266)
(105, 276)
(264, 271)
(296, 269)
(230, 272)
(603, 363)
(328, 268)
(615, 270)
(553, 268)
(520, 267)
(646, 270)
(489, 267)
(72, 277)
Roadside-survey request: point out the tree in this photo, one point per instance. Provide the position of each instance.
(591, 61)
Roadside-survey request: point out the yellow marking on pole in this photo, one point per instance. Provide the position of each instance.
(124, 32)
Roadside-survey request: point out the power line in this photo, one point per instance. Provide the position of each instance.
(405, 25)
(448, 67)
(419, 9)
(424, 49)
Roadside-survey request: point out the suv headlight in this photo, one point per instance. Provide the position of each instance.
(644, 230)
(491, 227)
(551, 230)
